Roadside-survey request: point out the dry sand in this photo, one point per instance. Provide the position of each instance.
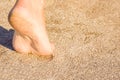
(87, 39)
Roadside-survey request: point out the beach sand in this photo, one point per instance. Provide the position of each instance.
(86, 34)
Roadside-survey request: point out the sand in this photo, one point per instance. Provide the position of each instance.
(86, 34)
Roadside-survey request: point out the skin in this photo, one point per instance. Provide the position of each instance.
(27, 18)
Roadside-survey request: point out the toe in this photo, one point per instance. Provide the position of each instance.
(52, 46)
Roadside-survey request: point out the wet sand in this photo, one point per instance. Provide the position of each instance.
(86, 34)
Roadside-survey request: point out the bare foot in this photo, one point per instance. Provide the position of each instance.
(30, 34)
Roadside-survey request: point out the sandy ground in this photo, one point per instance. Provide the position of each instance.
(86, 34)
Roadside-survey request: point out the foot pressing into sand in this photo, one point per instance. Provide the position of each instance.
(30, 35)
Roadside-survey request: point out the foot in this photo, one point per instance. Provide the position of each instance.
(30, 34)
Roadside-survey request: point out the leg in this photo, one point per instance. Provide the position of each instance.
(30, 36)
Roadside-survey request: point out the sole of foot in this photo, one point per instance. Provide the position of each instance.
(30, 34)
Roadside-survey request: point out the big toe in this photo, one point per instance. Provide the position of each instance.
(52, 46)
(46, 51)
(50, 50)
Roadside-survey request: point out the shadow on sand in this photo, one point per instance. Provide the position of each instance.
(6, 37)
